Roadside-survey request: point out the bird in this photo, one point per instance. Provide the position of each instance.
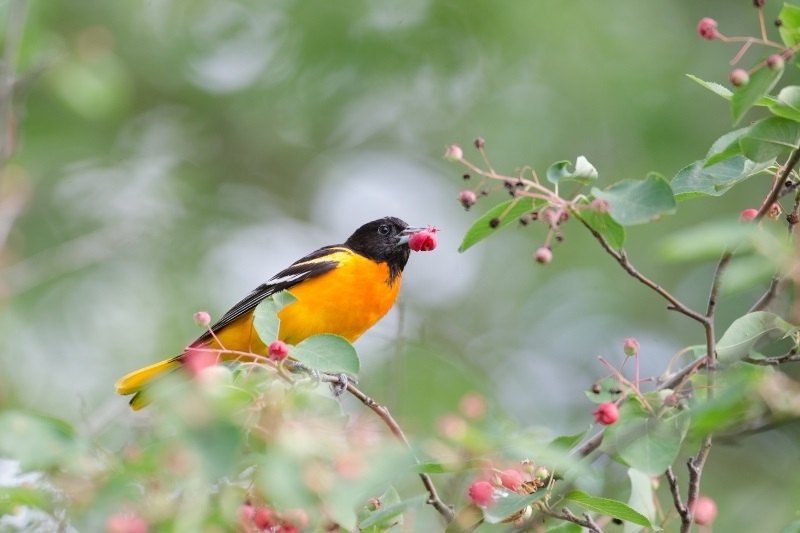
(341, 289)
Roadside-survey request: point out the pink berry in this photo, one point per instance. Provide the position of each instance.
(606, 413)
(278, 351)
(202, 318)
(423, 241)
(543, 255)
(511, 479)
(775, 62)
(467, 198)
(774, 211)
(454, 153)
(704, 510)
(630, 346)
(262, 518)
(747, 215)
(707, 28)
(472, 405)
(600, 205)
(126, 523)
(297, 518)
(246, 514)
(196, 360)
(739, 77)
(481, 493)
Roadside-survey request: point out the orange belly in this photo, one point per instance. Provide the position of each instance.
(345, 301)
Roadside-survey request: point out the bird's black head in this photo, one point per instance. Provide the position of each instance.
(383, 240)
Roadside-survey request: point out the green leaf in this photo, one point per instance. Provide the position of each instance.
(584, 171)
(38, 442)
(746, 272)
(11, 498)
(761, 82)
(509, 503)
(386, 515)
(437, 467)
(793, 527)
(266, 320)
(637, 202)
(740, 338)
(607, 391)
(769, 138)
(642, 441)
(726, 93)
(603, 224)
(787, 105)
(709, 241)
(327, 353)
(790, 25)
(566, 442)
(696, 180)
(608, 507)
(481, 229)
(725, 147)
(641, 499)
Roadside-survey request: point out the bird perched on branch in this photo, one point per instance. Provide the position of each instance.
(343, 289)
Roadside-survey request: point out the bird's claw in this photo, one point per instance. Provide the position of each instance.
(340, 385)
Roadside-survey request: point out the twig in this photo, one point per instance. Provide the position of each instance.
(676, 494)
(695, 465)
(776, 285)
(622, 258)
(445, 510)
(568, 515)
(778, 189)
(792, 357)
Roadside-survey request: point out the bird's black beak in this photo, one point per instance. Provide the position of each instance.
(406, 234)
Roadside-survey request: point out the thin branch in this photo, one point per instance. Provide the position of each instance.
(779, 190)
(695, 465)
(778, 281)
(567, 515)
(622, 258)
(792, 357)
(445, 510)
(676, 495)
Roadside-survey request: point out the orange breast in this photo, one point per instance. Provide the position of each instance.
(346, 301)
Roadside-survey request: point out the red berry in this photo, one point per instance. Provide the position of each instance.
(775, 62)
(739, 77)
(263, 518)
(278, 351)
(747, 215)
(196, 360)
(467, 198)
(707, 28)
(630, 346)
(704, 510)
(423, 241)
(454, 153)
(511, 479)
(126, 523)
(202, 318)
(606, 413)
(543, 255)
(481, 493)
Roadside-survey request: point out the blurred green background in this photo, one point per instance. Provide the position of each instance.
(174, 154)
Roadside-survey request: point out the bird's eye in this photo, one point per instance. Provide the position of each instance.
(383, 230)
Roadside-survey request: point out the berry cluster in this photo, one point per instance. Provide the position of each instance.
(262, 519)
(548, 208)
(526, 480)
(739, 77)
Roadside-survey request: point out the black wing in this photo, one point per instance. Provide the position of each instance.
(310, 266)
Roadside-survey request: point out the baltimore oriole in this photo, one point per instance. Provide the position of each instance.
(343, 289)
